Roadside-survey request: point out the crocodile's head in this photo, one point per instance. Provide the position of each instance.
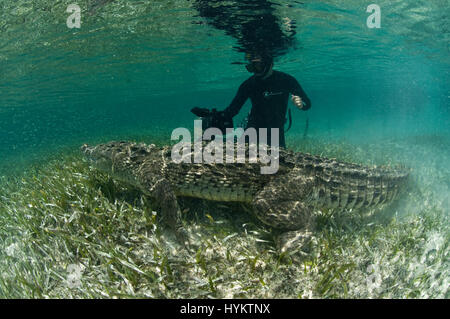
(102, 156)
(117, 158)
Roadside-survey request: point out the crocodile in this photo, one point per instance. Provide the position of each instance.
(285, 200)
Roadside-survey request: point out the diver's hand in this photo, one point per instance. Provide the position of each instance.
(297, 101)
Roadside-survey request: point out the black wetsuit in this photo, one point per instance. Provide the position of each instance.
(269, 99)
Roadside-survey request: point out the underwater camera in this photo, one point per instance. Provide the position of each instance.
(213, 118)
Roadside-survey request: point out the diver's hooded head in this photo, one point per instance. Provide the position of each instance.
(259, 64)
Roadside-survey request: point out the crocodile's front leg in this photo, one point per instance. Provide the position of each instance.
(283, 204)
(166, 199)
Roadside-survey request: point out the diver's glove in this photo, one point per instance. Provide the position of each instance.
(214, 118)
(201, 112)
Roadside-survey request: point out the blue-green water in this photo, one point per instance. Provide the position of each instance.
(135, 68)
(138, 67)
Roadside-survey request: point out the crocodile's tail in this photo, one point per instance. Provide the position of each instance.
(352, 186)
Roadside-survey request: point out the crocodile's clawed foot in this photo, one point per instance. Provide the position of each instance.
(296, 241)
(178, 238)
(183, 238)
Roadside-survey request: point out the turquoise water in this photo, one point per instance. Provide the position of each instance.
(135, 68)
(138, 67)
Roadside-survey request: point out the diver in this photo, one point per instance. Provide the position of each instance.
(268, 91)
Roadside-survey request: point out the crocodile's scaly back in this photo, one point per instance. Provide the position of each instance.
(347, 185)
(134, 163)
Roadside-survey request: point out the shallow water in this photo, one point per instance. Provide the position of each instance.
(135, 68)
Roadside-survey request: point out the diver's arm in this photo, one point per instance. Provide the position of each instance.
(299, 97)
(238, 101)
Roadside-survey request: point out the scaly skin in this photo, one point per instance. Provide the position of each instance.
(285, 200)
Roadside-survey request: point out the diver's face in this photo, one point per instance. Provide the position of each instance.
(256, 66)
(259, 66)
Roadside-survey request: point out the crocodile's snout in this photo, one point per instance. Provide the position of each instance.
(87, 150)
(84, 147)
